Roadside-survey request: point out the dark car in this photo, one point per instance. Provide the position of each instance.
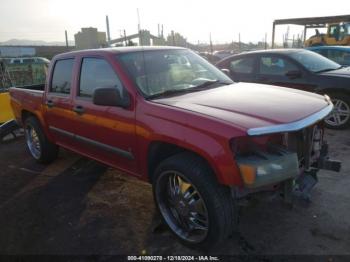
(339, 54)
(296, 68)
(210, 57)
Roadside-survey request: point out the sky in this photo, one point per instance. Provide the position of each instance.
(194, 19)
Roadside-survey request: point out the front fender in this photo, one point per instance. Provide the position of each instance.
(207, 143)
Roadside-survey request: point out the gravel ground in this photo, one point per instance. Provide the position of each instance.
(77, 206)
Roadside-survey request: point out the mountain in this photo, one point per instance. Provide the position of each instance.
(26, 42)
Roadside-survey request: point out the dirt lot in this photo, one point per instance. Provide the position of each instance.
(76, 206)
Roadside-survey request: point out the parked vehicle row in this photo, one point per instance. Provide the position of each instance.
(338, 54)
(298, 69)
(169, 117)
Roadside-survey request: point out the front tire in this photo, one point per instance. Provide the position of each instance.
(196, 208)
(339, 118)
(41, 149)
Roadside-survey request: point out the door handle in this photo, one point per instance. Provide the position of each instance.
(79, 110)
(50, 103)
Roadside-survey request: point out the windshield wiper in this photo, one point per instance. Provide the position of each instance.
(168, 93)
(327, 69)
(200, 87)
(206, 84)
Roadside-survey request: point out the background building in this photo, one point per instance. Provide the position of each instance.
(89, 37)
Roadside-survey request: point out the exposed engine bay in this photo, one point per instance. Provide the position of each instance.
(289, 162)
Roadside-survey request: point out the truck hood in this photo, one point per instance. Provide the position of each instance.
(248, 105)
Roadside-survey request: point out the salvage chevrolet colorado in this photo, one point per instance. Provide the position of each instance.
(169, 117)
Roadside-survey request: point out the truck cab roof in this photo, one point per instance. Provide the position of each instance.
(117, 50)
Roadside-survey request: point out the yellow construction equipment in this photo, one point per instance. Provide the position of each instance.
(5, 108)
(5, 82)
(337, 34)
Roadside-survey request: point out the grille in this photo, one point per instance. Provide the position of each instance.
(306, 143)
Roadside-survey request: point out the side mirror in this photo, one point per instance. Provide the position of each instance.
(293, 74)
(110, 96)
(226, 71)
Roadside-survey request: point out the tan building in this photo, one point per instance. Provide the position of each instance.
(89, 38)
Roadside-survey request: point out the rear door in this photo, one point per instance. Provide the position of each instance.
(242, 68)
(58, 102)
(103, 132)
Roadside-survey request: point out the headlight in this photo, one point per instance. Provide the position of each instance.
(264, 164)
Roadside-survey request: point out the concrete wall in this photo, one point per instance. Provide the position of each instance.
(43, 51)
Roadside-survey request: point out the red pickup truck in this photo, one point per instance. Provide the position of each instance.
(167, 116)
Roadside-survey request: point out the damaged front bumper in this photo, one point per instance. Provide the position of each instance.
(266, 168)
(294, 163)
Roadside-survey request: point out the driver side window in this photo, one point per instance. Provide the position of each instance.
(270, 65)
(97, 72)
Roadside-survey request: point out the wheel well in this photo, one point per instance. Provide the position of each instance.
(25, 114)
(334, 91)
(159, 151)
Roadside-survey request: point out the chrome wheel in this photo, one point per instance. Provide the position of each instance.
(33, 141)
(340, 114)
(182, 207)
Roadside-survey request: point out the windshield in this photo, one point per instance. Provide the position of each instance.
(157, 72)
(313, 61)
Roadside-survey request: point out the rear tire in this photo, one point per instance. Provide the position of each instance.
(41, 149)
(339, 118)
(202, 214)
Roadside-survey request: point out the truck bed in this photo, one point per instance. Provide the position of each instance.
(26, 98)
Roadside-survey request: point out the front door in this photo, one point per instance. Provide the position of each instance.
(103, 132)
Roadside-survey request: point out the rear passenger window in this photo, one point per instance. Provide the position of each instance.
(62, 76)
(97, 72)
(243, 65)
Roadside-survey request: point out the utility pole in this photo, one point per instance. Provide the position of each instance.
(139, 27)
(265, 41)
(126, 43)
(138, 20)
(173, 37)
(108, 31)
(65, 32)
(273, 36)
(211, 44)
(239, 42)
(304, 38)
